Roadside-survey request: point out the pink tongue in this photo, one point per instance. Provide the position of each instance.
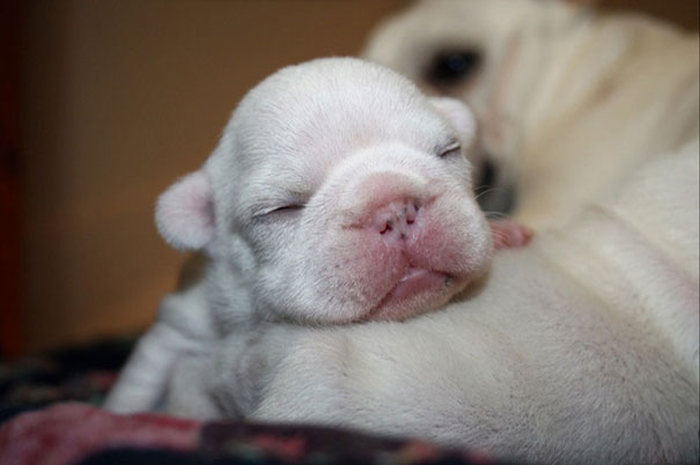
(416, 280)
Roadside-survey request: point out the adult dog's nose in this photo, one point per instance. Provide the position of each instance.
(396, 220)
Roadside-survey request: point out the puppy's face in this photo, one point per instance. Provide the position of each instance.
(491, 54)
(340, 193)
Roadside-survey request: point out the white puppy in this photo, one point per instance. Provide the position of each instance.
(338, 193)
(568, 101)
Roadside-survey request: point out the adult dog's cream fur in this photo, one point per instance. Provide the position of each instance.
(338, 193)
(568, 101)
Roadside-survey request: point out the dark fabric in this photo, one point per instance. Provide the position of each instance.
(154, 457)
(163, 457)
(285, 444)
(82, 373)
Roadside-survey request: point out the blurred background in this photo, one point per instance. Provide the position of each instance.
(104, 103)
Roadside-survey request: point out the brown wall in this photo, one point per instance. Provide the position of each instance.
(119, 98)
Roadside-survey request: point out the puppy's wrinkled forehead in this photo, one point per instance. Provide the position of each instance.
(311, 114)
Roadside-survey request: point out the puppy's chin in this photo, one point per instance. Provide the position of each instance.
(419, 291)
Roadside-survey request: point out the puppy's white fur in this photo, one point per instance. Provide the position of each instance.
(568, 101)
(338, 193)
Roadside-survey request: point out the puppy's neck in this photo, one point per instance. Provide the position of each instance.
(229, 297)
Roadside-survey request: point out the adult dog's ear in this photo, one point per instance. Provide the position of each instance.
(185, 212)
(459, 116)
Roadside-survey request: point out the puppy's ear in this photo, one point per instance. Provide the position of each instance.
(459, 115)
(185, 212)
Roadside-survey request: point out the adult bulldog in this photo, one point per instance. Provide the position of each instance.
(580, 348)
(569, 101)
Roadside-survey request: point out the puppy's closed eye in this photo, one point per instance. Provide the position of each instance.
(452, 67)
(453, 148)
(277, 215)
(286, 205)
(285, 209)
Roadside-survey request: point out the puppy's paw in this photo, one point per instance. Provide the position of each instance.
(508, 234)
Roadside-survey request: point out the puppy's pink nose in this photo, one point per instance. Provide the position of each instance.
(396, 220)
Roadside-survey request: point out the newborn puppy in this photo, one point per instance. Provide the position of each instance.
(338, 193)
(568, 101)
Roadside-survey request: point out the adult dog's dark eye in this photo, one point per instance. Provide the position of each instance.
(453, 66)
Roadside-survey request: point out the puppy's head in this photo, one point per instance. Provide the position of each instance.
(338, 193)
(491, 54)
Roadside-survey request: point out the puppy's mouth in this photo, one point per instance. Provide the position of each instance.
(418, 286)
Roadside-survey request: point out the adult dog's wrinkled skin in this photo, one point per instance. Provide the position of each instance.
(568, 101)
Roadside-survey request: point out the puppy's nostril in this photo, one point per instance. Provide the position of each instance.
(388, 226)
(396, 217)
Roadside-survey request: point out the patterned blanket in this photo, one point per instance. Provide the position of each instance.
(50, 415)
